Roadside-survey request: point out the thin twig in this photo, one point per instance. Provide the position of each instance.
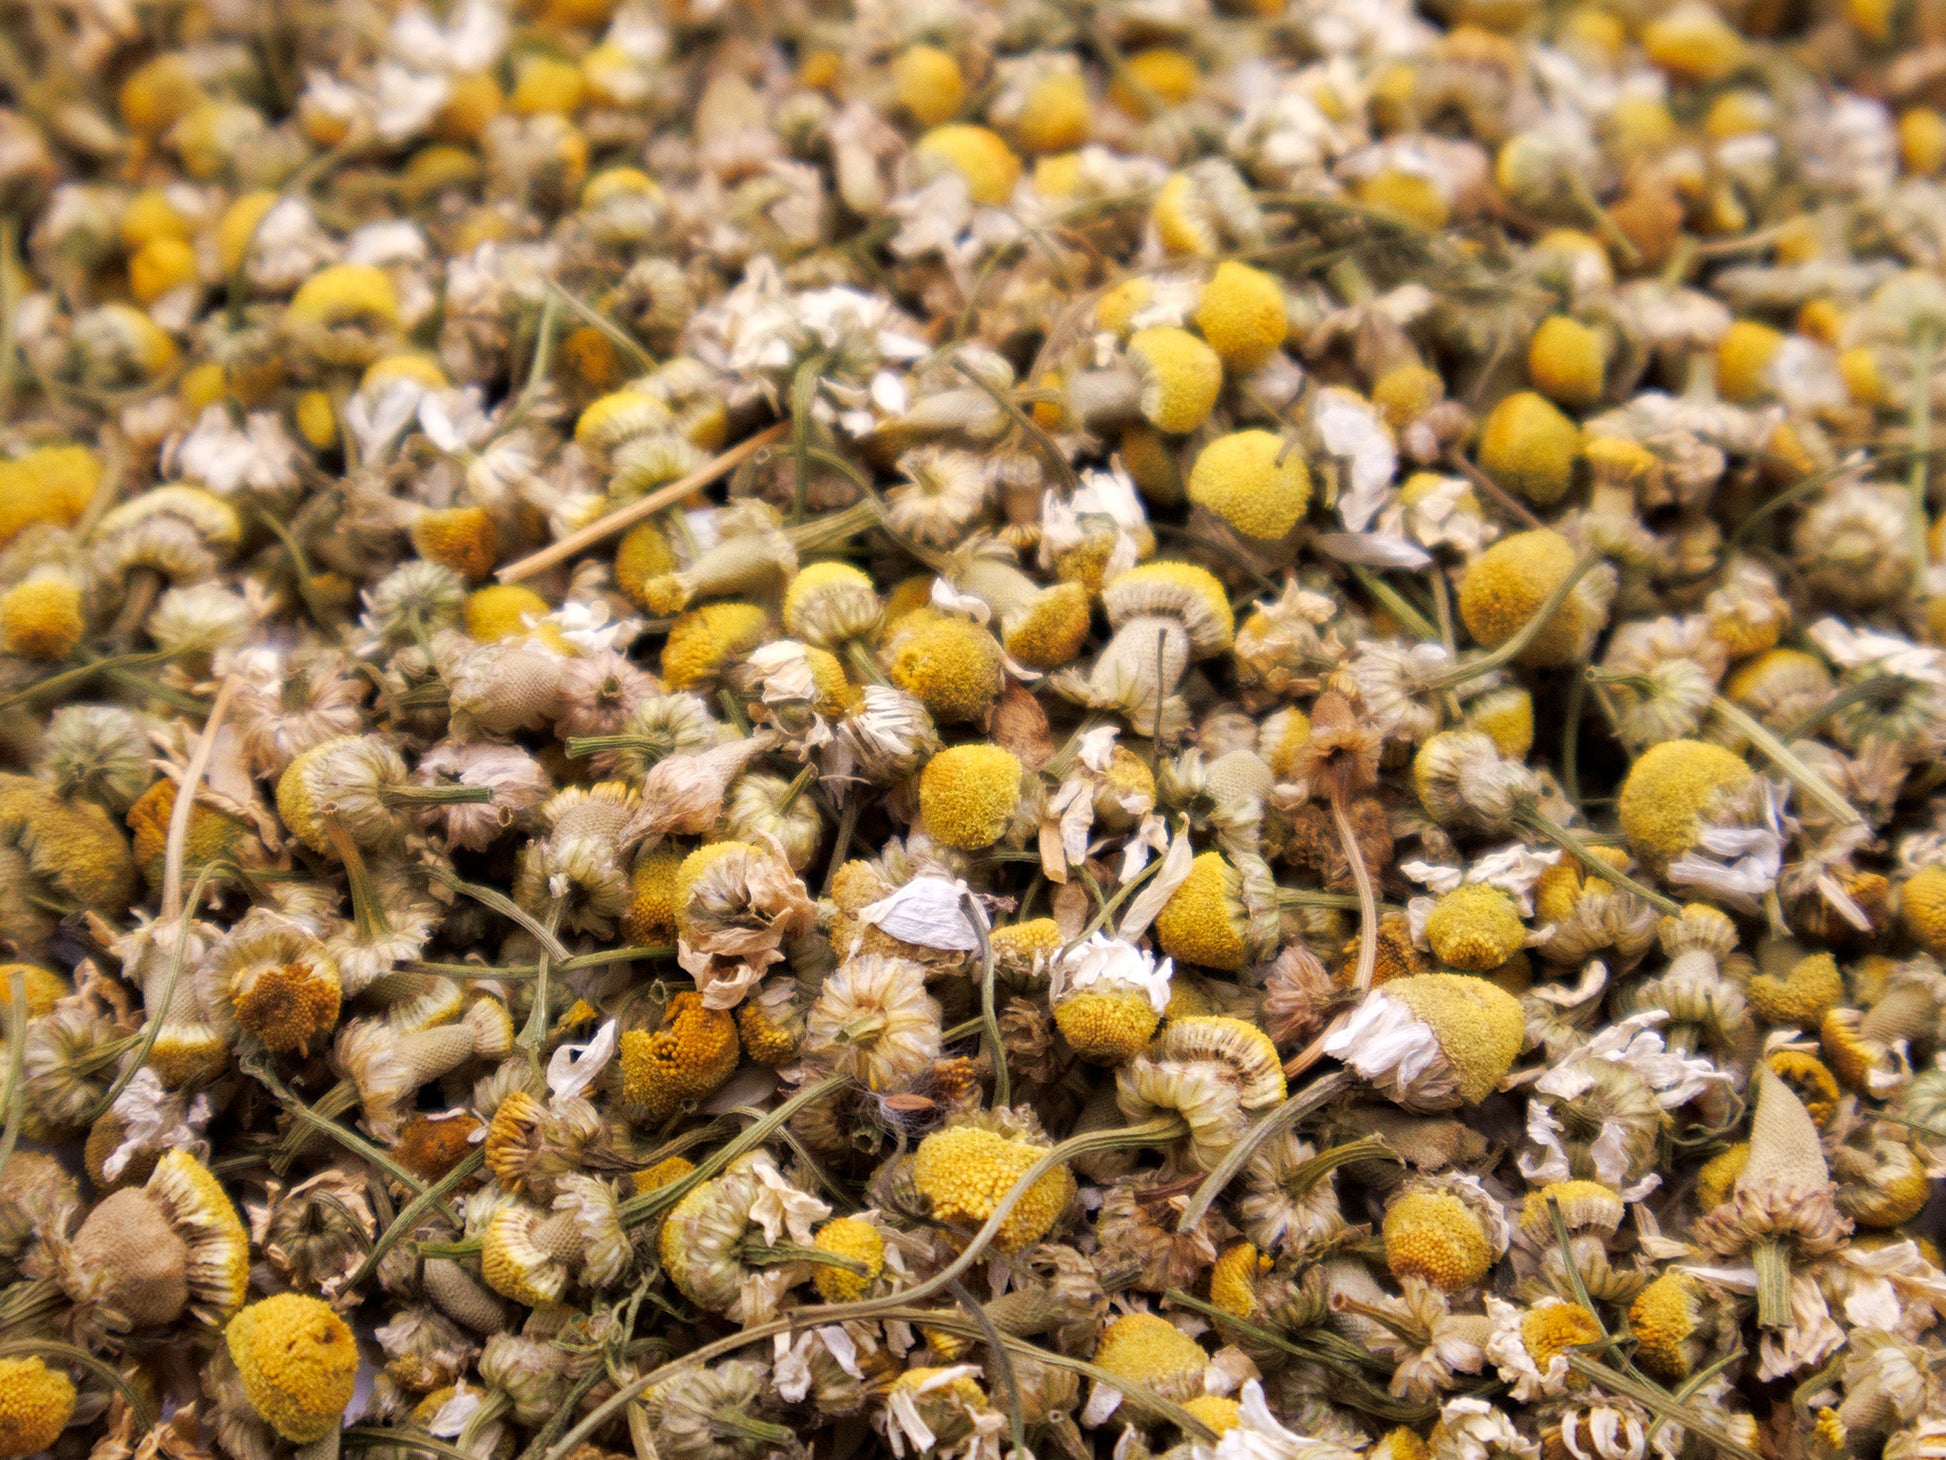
(623, 518)
(16, 1098)
(192, 777)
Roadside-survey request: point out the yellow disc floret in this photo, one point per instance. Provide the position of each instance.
(1661, 1320)
(1693, 43)
(1505, 587)
(966, 1171)
(1233, 1279)
(344, 294)
(1529, 447)
(704, 641)
(41, 618)
(36, 1403)
(1199, 922)
(1478, 1025)
(1241, 314)
(461, 538)
(1108, 1027)
(981, 157)
(951, 664)
(857, 1240)
(1922, 908)
(928, 84)
(968, 794)
(1181, 377)
(1476, 927)
(1054, 116)
(1801, 999)
(1669, 792)
(1151, 1351)
(1717, 1176)
(298, 1362)
(1256, 481)
(685, 1061)
(1220, 1414)
(1743, 356)
(503, 611)
(1564, 361)
(51, 484)
(1549, 1330)
(1434, 1236)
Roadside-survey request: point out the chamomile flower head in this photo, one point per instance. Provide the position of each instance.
(1475, 927)
(684, 1062)
(36, 1403)
(1673, 791)
(1255, 481)
(1241, 314)
(1507, 584)
(951, 665)
(1665, 1321)
(857, 1241)
(965, 1171)
(1530, 447)
(874, 1021)
(979, 157)
(1208, 919)
(828, 603)
(1433, 1041)
(968, 795)
(1440, 1238)
(298, 1362)
(1180, 377)
(1108, 997)
(1149, 1350)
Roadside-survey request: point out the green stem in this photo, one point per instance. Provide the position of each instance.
(300, 569)
(1925, 345)
(424, 1202)
(1109, 905)
(617, 336)
(534, 1037)
(506, 907)
(447, 795)
(80, 673)
(1063, 469)
(649, 1204)
(774, 1254)
(9, 244)
(1773, 1265)
(1525, 635)
(303, 1114)
(1883, 687)
(847, 825)
(152, 1029)
(1571, 735)
(16, 1101)
(646, 954)
(976, 920)
(1660, 1403)
(804, 394)
(1785, 759)
(1294, 1109)
(1568, 842)
(372, 1437)
(1401, 610)
(736, 1422)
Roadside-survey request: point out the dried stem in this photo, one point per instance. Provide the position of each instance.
(192, 778)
